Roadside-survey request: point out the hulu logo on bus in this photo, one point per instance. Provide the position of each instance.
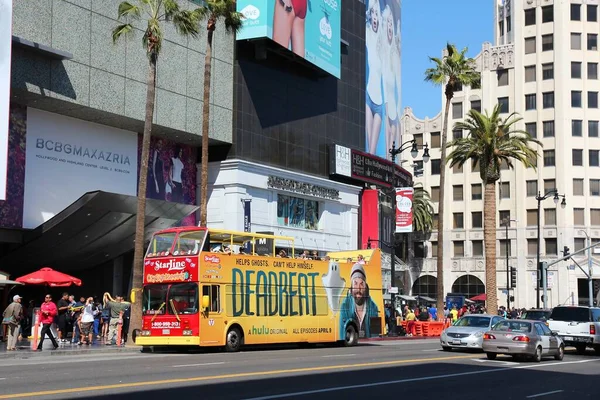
(268, 293)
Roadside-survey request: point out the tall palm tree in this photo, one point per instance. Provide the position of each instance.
(215, 11)
(422, 209)
(155, 13)
(491, 141)
(454, 69)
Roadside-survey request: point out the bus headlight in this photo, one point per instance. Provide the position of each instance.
(187, 332)
(145, 333)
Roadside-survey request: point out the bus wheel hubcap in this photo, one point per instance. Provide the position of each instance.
(233, 338)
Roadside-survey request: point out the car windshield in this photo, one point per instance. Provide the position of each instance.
(513, 326)
(536, 315)
(180, 298)
(474, 322)
(576, 314)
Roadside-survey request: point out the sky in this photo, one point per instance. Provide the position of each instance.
(426, 27)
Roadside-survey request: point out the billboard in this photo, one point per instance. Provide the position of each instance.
(310, 29)
(404, 215)
(383, 96)
(5, 57)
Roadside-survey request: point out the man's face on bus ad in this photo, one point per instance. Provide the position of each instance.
(359, 290)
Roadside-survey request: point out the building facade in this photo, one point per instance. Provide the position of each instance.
(542, 65)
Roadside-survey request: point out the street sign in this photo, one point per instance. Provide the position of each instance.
(393, 290)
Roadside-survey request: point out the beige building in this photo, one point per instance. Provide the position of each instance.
(543, 65)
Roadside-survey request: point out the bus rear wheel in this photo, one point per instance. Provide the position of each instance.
(233, 340)
(351, 337)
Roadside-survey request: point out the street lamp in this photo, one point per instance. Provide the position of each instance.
(539, 199)
(507, 222)
(414, 150)
(590, 268)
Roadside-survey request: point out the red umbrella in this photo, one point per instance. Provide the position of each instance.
(479, 297)
(50, 277)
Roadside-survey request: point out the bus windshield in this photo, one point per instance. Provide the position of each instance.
(187, 243)
(161, 244)
(180, 298)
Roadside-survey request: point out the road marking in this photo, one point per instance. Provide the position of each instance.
(339, 355)
(226, 376)
(196, 365)
(431, 350)
(422, 378)
(544, 394)
(495, 361)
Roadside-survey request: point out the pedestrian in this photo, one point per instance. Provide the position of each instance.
(11, 318)
(116, 307)
(63, 315)
(87, 320)
(48, 311)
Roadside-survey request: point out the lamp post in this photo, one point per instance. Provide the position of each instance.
(507, 222)
(590, 268)
(556, 197)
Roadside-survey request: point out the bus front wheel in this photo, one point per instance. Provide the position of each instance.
(233, 341)
(351, 337)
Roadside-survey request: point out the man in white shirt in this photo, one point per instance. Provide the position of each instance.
(87, 321)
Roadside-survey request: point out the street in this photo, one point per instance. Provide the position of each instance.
(416, 368)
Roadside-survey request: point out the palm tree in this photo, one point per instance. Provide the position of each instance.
(454, 69)
(156, 13)
(492, 141)
(215, 10)
(422, 209)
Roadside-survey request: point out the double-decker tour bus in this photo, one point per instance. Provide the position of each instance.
(205, 287)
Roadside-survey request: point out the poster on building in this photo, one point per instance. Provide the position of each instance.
(382, 73)
(404, 215)
(5, 60)
(68, 157)
(172, 173)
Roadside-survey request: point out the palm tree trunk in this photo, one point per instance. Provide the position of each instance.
(205, 123)
(440, 239)
(489, 239)
(140, 221)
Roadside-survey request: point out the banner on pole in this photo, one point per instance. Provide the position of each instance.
(404, 215)
(247, 215)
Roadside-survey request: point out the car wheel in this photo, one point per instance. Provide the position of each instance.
(233, 340)
(580, 349)
(446, 348)
(560, 354)
(491, 356)
(351, 336)
(537, 357)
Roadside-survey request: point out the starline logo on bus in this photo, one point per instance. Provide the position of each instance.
(212, 259)
(173, 265)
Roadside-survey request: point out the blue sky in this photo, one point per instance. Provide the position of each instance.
(426, 27)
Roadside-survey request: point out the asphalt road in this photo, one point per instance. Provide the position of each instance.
(416, 369)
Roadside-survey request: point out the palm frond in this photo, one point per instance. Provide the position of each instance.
(120, 31)
(128, 10)
(186, 23)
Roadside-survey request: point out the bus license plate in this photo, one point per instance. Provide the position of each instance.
(166, 331)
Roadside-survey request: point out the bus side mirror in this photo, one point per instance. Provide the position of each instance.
(205, 302)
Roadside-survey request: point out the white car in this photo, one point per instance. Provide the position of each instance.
(467, 332)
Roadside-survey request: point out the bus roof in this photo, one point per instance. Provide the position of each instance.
(353, 254)
(221, 234)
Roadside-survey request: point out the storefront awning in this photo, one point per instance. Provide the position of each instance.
(98, 227)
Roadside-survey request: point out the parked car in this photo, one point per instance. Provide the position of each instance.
(523, 338)
(467, 332)
(577, 326)
(537, 314)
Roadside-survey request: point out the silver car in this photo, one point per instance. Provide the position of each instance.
(523, 338)
(467, 332)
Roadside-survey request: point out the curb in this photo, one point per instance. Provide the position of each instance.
(27, 353)
(403, 338)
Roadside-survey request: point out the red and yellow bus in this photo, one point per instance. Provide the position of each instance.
(205, 287)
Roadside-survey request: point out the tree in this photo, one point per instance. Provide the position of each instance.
(454, 69)
(215, 11)
(155, 13)
(422, 209)
(490, 142)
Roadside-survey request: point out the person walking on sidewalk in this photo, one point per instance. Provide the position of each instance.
(48, 311)
(11, 317)
(116, 307)
(87, 320)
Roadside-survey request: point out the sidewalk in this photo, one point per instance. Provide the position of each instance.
(97, 348)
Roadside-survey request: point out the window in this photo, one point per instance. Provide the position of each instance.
(549, 158)
(551, 246)
(435, 222)
(503, 103)
(550, 216)
(458, 87)
(477, 248)
(435, 167)
(547, 71)
(549, 184)
(530, 73)
(502, 75)
(577, 187)
(458, 221)
(575, 69)
(547, 14)
(575, 41)
(477, 219)
(548, 100)
(508, 24)
(575, 12)
(474, 167)
(459, 248)
(548, 128)
(435, 194)
(592, 70)
(433, 249)
(547, 42)
(530, 101)
(531, 247)
(532, 188)
(505, 248)
(592, 13)
(457, 134)
(593, 128)
(297, 213)
(419, 249)
(418, 137)
(504, 190)
(457, 169)
(578, 244)
(592, 41)
(435, 140)
(575, 98)
(577, 157)
(214, 293)
(457, 192)
(577, 127)
(457, 110)
(530, 17)
(503, 215)
(476, 105)
(578, 216)
(530, 45)
(594, 187)
(476, 193)
(592, 99)
(531, 217)
(595, 216)
(531, 128)
(594, 159)
(501, 27)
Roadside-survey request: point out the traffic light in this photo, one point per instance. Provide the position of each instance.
(513, 277)
(565, 251)
(512, 299)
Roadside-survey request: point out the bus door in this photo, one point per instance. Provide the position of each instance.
(212, 328)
